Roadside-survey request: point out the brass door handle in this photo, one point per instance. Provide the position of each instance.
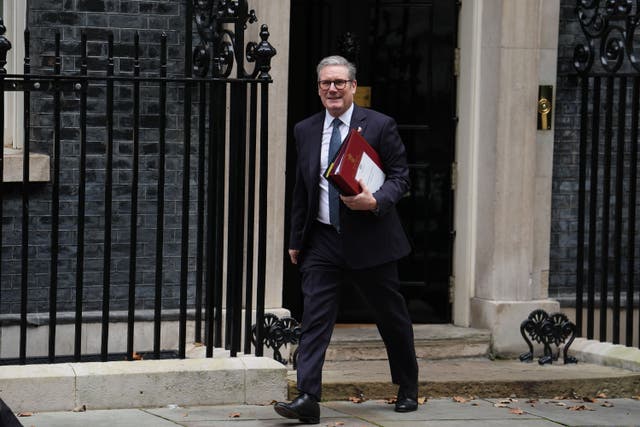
(544, 108)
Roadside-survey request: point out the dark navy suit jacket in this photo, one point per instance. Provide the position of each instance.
(368, 238)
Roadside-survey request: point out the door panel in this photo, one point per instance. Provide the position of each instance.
(404, 52)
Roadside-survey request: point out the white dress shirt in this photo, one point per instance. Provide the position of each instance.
(327, 129)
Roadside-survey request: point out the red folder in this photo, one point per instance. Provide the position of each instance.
(355, 159)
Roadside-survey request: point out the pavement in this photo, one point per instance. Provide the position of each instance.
(456, 392)
(444, 412)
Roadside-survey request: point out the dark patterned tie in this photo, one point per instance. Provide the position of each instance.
(334, 197)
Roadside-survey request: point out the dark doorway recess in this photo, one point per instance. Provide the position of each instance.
(405, 55)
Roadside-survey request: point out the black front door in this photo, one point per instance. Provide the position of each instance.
(405, 53)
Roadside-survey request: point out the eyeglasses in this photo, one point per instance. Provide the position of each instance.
(339, 84)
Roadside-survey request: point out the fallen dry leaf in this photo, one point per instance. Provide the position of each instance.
(25, 414)
(356, 399)
(516, 411)
(391, 400)
(501, 405)
(601, 395)
(337, 423)
(422, 400)
(589, 399)
(81, 408)
(459, 399)
(234, 415)
(197, 344)
(136, 356)
(534, 401)
(560, 398)
(507, 401)
(636, 397)
(561, 404)
(580, 408)
(607, 404)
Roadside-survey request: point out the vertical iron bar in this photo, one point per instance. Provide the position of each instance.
(81, 200)
(24, 289)
(134, 200)
(220, 97)
(106, 275)
(606, 194)
(262, 222)
(160, 213)
(617, 233)
(584, 116)
(200, 209)
(211, 229)
(55, 214)
(184, 267)
(631, 215)
(251, 184)
(593, 207)
(3, 71)
(235, 244)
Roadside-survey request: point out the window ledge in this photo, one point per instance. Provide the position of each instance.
(39, 166)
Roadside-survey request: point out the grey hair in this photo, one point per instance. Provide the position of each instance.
(337, 60)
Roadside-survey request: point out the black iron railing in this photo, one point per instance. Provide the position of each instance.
(141, 188)
(609, 81)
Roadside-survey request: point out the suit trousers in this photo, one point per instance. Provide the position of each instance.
(323, 271)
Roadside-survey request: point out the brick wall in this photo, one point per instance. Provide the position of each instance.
(99, 18)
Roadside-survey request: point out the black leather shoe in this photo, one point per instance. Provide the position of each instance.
(407, 400)
(304, 407)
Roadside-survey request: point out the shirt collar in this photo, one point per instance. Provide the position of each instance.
(345, 118)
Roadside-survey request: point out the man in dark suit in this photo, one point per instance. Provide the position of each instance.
(357, 237)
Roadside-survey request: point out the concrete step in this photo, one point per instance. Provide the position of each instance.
(477, 377)
(363, 342)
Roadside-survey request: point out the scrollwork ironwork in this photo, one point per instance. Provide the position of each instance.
(609, 27)
(277, 333)
(548, 329)
(5, 46)
(221, 25)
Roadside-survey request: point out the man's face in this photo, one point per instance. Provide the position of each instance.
(336, 101)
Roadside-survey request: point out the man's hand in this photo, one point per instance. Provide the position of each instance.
(361, 202)
(293, 254)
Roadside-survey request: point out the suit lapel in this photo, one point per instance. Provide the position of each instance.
(315, 145)
(358, 119)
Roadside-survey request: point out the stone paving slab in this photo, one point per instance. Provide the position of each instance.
(96, 418)
(435, 412)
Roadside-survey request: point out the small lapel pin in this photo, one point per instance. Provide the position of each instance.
(359, 129)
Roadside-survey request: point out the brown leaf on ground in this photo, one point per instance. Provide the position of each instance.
(561, 404)
(234, 415)
(589, 399)
(636, 397)
(25, 414)
(532, 401)
(516, 411)
(601, 395)
(198, 344)
(559, 397)
(391, 400)
(607, 404)
(356, 399)
(422, 400)
(81, 408)
(337, 423)
(509, 400)
(580, 408)
(501, 405)
(459, 399)
(136, 356)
